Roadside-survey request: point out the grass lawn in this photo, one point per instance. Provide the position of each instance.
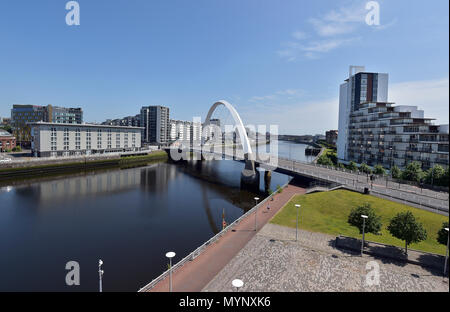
(327, 212)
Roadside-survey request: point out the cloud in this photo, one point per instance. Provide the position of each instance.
(312, 49)
(430, 95)
(293, 115)
(330, 31)
(279, 95)
(299, 35)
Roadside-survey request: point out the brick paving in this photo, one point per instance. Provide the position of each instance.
(273, 261)
(196, 274)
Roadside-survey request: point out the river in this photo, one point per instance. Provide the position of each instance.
(129, 218)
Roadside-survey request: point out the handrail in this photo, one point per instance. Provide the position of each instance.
(199, 250)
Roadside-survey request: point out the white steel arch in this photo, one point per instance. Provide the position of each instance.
(239, 125)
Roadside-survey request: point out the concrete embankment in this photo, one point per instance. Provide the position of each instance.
(53, 166)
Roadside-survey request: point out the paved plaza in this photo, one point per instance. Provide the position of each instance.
(273, 261)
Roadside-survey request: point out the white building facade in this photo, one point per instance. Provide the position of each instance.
(374, 131)
(52, 139)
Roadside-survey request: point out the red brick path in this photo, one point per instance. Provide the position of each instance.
(193, 276)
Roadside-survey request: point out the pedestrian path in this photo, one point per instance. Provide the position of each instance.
(196, 274)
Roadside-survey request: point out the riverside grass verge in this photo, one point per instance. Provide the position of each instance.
(327, 212)
(81, 164)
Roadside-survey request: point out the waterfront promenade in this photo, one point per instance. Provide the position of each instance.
(274, 261)
(195, 275)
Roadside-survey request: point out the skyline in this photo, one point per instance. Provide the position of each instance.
(265, 61)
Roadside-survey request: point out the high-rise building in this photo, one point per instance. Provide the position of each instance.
(23, 115)
(374, 131)
(155, 121)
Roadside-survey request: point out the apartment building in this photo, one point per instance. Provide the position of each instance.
(23, 115)
(375, 131)
(155, 124)
(53, 139)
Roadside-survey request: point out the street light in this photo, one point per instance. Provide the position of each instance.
(237, 283)
(170, 255)
(296, 223)
(256, 211)
(100, 274)
(446, 255)
(364, 226)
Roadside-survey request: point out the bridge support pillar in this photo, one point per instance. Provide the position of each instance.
(250, 176)
(267, 180)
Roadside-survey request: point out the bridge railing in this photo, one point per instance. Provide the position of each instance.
(200, 249)
(353, 177)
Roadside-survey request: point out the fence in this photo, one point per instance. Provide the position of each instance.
(200, 249)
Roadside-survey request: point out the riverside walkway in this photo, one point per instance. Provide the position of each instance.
(194, 275)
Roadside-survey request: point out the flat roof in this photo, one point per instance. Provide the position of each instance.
(81, 125)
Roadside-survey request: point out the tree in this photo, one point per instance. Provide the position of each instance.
(324, 161)
(379, 170)
(396, 173)
(352, 166)
(434, 175)
(373, 222)
(413, 172)
(364, 168)
(443, 234)
(405, 227)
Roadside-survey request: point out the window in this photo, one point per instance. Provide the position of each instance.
(53, 138)
(77, 139)
(99, 139)
(66, 139)
(109, 138)
(88, 139)
(118, 139)
(126, 140)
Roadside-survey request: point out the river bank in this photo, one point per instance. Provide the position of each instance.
(70, 165)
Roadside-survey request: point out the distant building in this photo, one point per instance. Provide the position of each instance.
(374, 131)
(23, 115)
(155, 124)
(53, 139)
(7, 141)
(4, 121)
(331, 137)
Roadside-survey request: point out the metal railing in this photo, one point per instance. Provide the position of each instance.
(200, 249)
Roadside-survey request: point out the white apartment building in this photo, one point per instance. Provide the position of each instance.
(185, 131)
(52, 139)
(374, 131)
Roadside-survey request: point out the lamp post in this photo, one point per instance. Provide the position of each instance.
(170, 255)
(446, 256)
(237, 283)
(363, 233)
(296, 223)
(100, 275)
(256, 211)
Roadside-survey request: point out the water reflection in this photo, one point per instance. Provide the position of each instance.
(129, 218)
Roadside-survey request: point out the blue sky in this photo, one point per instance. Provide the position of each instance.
(279, 62)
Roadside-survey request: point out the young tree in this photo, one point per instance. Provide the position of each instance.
(352, 166)
(405, 227)
(378, 169)
(413, 172)
(396, 173)
(443, 234)
(373, 222)
(324, 161)
(434, 175)
(364, 168)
